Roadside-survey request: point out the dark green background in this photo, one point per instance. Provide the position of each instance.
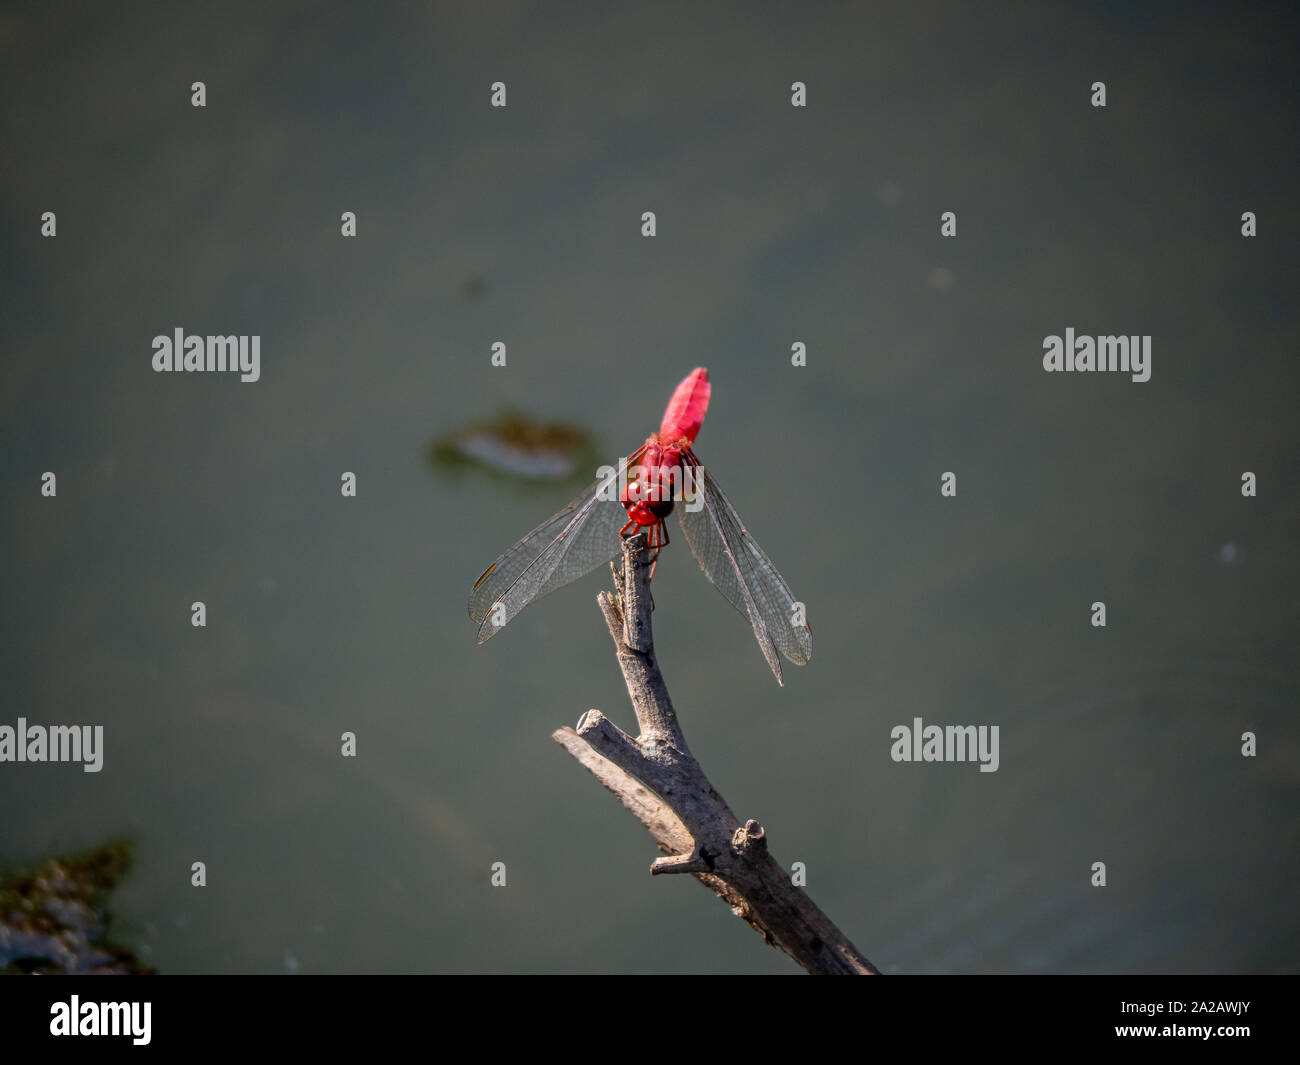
(775, 225)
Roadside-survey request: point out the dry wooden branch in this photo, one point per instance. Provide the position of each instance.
(658, 779)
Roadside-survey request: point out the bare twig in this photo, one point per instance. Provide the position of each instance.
(658, 779)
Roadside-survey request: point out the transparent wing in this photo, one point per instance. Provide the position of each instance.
(740, 570)
(568, 545)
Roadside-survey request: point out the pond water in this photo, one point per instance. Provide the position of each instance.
(775, 226)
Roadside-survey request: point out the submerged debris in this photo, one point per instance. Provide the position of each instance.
(517, 445)
(53, 917)
(472, 289)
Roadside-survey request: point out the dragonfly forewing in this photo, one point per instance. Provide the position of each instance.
(568, 545)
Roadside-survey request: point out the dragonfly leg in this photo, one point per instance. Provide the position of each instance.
(658, 538)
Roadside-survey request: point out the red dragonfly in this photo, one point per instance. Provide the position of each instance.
(639, 494)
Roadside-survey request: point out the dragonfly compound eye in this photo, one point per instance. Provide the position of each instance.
(641, 513)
